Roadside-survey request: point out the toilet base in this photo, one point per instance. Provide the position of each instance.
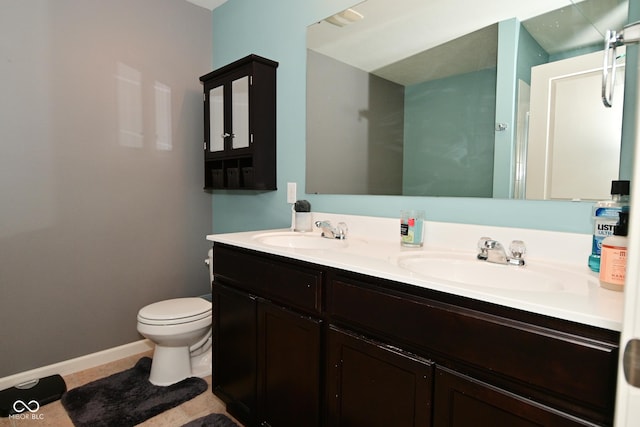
(173, 364)
(170, 365)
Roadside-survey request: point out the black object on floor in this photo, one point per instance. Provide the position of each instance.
(212, 420)
(31, 396)
(127, 398)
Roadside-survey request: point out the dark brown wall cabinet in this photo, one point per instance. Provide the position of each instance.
(240, 125)
(298, 344)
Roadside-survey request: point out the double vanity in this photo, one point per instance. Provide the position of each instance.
(311, 331)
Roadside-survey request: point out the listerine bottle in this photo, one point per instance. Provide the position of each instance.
(605, 218)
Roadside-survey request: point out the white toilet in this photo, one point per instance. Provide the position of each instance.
(181, 331)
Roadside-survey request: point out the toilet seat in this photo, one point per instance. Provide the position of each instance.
(175, 311)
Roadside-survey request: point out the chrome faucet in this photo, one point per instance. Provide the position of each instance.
(492, 251)
(330, 232)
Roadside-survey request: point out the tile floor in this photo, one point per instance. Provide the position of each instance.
(54, 414)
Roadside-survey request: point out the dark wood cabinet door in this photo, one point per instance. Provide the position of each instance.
(373, 385)
(234, 351)
(461, 401)
(289, 366)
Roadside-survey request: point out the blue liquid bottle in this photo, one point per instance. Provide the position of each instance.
(605, 218)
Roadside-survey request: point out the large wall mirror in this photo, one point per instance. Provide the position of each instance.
(463, 99)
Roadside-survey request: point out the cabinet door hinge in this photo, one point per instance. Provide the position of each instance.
(250, 138)
(250, 80)
(204, 97)
(205, 146)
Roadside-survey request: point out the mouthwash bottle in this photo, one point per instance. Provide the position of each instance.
(605, 218)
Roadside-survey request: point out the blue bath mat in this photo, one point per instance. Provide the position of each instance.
(127, 398)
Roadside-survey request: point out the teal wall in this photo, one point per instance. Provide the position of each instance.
(449, 136)
(277, 30)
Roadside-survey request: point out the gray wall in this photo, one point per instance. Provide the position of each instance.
(101, 202)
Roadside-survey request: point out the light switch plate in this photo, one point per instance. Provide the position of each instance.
(291, 192)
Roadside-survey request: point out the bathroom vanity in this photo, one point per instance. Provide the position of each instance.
(343, 336)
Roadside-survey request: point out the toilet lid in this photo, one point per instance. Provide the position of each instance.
(179, 309)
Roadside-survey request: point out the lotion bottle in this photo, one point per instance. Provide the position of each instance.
(613, 257)
(605, 217)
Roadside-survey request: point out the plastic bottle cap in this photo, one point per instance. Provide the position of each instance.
(620, 187)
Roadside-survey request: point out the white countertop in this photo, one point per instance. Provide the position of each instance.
(372, 248)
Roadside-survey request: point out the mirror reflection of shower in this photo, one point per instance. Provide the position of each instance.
(428, 166)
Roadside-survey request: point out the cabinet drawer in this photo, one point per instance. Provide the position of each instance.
(287, 283)
(463, 401)
(557, 366)
(295, 285)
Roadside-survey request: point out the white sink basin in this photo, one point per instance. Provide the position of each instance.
(465, 269)
(289, 239)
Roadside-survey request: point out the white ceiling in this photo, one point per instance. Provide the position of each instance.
(207, 4)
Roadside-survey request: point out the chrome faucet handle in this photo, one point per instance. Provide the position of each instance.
(517, 249)
(482, 247)
(342, 230)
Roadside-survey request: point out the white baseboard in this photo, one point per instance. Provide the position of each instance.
(77, 364)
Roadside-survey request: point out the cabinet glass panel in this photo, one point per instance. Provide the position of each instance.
(240, 112)
(216, 119)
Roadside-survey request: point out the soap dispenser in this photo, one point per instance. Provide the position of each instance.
(302, 216)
